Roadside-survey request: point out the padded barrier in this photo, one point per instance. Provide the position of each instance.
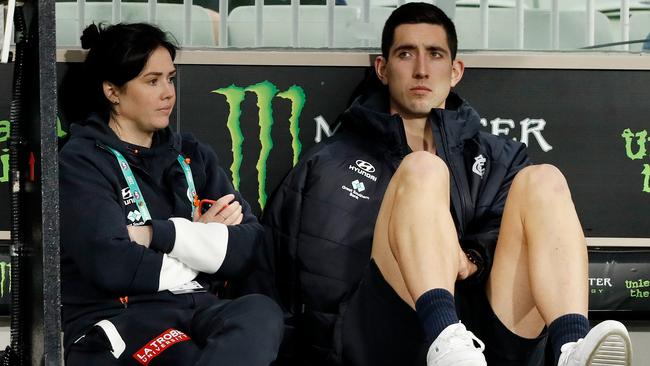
(619, 280)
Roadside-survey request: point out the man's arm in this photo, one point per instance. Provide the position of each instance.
(276, 270)
(479, 243)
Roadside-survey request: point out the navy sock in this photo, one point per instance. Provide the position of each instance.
(436, 310)
(565, 329)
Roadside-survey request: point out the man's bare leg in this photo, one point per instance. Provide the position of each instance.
(415, 244)
(540, 272)
(540, 268)
(416, 249)
(540, 264)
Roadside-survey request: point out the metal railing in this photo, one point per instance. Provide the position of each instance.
(519, 9)
(116, 15)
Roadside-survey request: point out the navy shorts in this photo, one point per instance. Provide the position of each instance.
(379, 328)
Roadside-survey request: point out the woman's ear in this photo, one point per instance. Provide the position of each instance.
(111, 92)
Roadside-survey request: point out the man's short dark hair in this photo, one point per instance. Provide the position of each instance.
(414, 13)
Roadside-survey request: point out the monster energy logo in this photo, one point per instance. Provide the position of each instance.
(265, 92)
(5, 268)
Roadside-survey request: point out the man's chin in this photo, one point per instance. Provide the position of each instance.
(420, 112)
(414, 111)
(411, 116)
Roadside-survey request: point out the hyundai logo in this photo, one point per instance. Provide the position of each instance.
(365, 166)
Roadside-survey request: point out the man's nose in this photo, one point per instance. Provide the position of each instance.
(420, 70)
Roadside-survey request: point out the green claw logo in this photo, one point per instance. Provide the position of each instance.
(5, 282)
(265, 92)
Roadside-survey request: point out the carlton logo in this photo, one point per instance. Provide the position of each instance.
(365, 166)
(479, 165)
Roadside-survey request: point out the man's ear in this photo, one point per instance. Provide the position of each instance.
(457, 70)
(380, 69)
(111, 92)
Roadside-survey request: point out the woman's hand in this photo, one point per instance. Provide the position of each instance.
(224, 210)
(140, 234)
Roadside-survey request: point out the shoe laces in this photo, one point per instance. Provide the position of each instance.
(461, 338)
(567, 350)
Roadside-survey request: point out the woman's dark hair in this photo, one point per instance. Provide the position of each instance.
(117, 54)
(414, 13)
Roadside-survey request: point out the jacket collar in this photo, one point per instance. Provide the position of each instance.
(369, 116)
(95, 127)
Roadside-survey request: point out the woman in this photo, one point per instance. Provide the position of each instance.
(137, 255)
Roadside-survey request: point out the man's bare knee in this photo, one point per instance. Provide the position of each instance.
(421, 196)
(543, 181)
(422, 167)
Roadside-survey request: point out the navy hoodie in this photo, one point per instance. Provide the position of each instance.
(100, 264)
(320, 221)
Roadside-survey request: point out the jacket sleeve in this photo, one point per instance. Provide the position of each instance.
(225, 252)
(282, 223)
(483, 232)
(95, 237)
(277, 268)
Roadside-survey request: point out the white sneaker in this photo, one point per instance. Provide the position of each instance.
(455, 347)
(606, 344)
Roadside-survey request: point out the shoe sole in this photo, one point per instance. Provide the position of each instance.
(613, 350)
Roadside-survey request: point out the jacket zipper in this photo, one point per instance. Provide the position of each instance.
(452, 168)
(403, 147)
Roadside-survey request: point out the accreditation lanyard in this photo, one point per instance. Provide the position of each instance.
(137, 193)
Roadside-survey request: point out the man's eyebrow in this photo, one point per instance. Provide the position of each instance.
(409, 47)
(438, 49)
(404, 47)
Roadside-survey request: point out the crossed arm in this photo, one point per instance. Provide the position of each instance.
(225, 211)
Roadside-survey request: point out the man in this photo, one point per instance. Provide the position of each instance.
(457, 223)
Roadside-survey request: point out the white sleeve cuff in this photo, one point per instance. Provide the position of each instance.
(173, 273)
(201, 246)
